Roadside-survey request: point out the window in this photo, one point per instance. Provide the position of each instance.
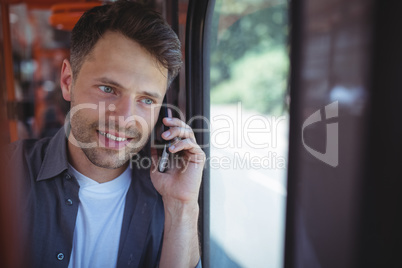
(249, 133)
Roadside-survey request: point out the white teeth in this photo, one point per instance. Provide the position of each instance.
(112, 137)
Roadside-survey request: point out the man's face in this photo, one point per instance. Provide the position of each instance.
(113, 100)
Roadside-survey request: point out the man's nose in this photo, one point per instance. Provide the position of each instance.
(125, 107)
(124, 110)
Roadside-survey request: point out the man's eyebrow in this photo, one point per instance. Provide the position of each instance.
(151, 94)
(108, 81)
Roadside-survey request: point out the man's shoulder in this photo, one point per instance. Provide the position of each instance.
(24, 159)
(27, 148)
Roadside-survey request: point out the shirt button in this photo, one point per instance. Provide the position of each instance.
(67, 176)
(60, 256)
(69, 202)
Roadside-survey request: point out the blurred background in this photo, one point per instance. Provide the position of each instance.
(249, 69)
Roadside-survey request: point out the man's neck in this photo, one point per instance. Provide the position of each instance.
(81, 163)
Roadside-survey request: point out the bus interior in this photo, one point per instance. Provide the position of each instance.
(295, 104)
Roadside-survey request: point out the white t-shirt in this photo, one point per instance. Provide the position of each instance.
(99, 219)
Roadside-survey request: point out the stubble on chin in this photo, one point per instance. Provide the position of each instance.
(85, 132)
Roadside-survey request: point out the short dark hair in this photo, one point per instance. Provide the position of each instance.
(133, 20)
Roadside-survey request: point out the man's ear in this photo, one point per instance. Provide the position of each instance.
(66, 80)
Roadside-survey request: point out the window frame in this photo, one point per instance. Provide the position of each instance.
(197, 53)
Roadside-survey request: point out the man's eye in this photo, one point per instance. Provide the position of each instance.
(147, 101)
(106, 89)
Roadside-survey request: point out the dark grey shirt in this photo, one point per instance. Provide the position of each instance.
(51, 205)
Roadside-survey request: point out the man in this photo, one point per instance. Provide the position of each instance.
(86, 206)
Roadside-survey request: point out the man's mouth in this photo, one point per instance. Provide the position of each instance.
(112, 137)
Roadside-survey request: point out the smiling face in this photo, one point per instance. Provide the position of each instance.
(112, 101)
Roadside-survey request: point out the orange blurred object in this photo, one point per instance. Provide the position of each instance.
(65, 16)
(40, 4)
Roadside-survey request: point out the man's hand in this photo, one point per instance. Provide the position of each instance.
(181, 182)
(179, 187)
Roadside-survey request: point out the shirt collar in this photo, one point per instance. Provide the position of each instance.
(55, 160)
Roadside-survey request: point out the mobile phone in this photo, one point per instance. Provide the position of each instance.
(166, 110)
(164, 158)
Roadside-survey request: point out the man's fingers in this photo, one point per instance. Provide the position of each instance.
(174, 122)
(187, 142)
(190, 146)
(180, 132)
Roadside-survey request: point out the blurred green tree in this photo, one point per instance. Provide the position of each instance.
(249, 60)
